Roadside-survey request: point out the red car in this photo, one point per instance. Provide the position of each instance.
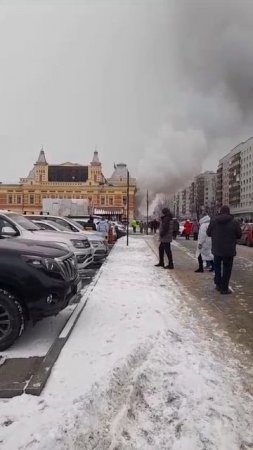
(247, 235)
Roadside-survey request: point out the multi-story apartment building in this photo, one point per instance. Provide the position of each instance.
(203, 194)
(235, 180)
(106, 197)
(198, 198)
(210, 180)
(182, 203)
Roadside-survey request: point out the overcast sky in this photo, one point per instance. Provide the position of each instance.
(157, 84)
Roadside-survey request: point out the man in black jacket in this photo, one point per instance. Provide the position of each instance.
(224, 231)
(165, 234)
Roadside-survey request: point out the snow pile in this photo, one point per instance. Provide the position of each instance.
(138, 372)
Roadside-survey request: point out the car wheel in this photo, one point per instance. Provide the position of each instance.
(12, 320)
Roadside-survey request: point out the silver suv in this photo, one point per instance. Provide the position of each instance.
(96, 239)
(15, 225)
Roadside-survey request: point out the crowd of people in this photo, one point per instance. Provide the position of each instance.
(216, 243)
(145, 227)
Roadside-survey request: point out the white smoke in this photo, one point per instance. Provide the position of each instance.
(171, 159)
(210, 107)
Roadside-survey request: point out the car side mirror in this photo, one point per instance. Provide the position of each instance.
(8, 232)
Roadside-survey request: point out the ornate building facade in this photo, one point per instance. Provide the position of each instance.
(106, 197)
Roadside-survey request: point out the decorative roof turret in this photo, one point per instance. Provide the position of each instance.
(120, 172)
(42, 158)
(95, 161)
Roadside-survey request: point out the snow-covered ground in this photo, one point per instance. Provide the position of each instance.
(37, 339)
(138, 372)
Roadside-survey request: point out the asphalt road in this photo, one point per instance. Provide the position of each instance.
(233, 314)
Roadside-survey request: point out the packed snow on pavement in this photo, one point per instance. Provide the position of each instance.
(138, 372)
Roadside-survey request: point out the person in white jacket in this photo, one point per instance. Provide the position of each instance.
(204, 247)
(103, 226)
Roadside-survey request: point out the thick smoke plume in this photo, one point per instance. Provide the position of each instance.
(211, 105)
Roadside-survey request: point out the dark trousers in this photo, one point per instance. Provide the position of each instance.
(208, 263)
(187, 237)
(223, 269)
(195, 236)
(165, 247)
(200, 260)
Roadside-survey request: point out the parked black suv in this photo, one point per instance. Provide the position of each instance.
(37, 280)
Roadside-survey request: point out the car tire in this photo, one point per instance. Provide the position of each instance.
(12, 319)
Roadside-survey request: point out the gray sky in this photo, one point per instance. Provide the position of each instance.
(164, 86)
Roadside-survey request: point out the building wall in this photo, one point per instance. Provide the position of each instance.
(28, 199)
(247, 175)
(210, 191)
(235, 180)
(197, 198)
(27, 196)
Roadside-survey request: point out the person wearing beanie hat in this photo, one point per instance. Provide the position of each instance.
(224, 231)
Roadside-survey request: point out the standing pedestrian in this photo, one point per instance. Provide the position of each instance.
(134, 225)
(187, 229)
(141, 227)
(103, 226)
(91, 224)
(165, 234)
(152, 226)
(195, 229)
(155, 225)
(204, 252)
(176, 227)
(224, 231)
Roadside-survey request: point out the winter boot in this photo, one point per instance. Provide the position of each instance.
(226, 292)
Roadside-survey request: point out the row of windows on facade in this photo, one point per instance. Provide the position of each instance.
(12, 199)
(246, 195)
(243, 204)
(41, 178)
(247, 154)
(55, 183)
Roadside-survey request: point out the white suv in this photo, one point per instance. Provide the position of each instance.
(15, 225)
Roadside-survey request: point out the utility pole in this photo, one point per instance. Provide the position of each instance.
(128, 202)
(147, 210)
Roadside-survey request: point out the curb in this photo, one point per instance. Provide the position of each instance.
(38, 381)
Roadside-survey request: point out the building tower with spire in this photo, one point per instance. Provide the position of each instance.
(41, 168)
(39, 172)
(95, 169)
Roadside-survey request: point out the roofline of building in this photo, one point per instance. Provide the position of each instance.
(234, 149)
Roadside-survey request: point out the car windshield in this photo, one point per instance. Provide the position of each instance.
(55, 225)
(23, 222)
(76, 224)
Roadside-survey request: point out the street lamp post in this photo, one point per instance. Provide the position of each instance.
(147, 209)
(128, 205)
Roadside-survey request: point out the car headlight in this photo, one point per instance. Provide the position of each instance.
(64, 244)
(49, 264)
(77, 244)
(95, 243)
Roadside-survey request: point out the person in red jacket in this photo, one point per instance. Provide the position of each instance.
(187, 229)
